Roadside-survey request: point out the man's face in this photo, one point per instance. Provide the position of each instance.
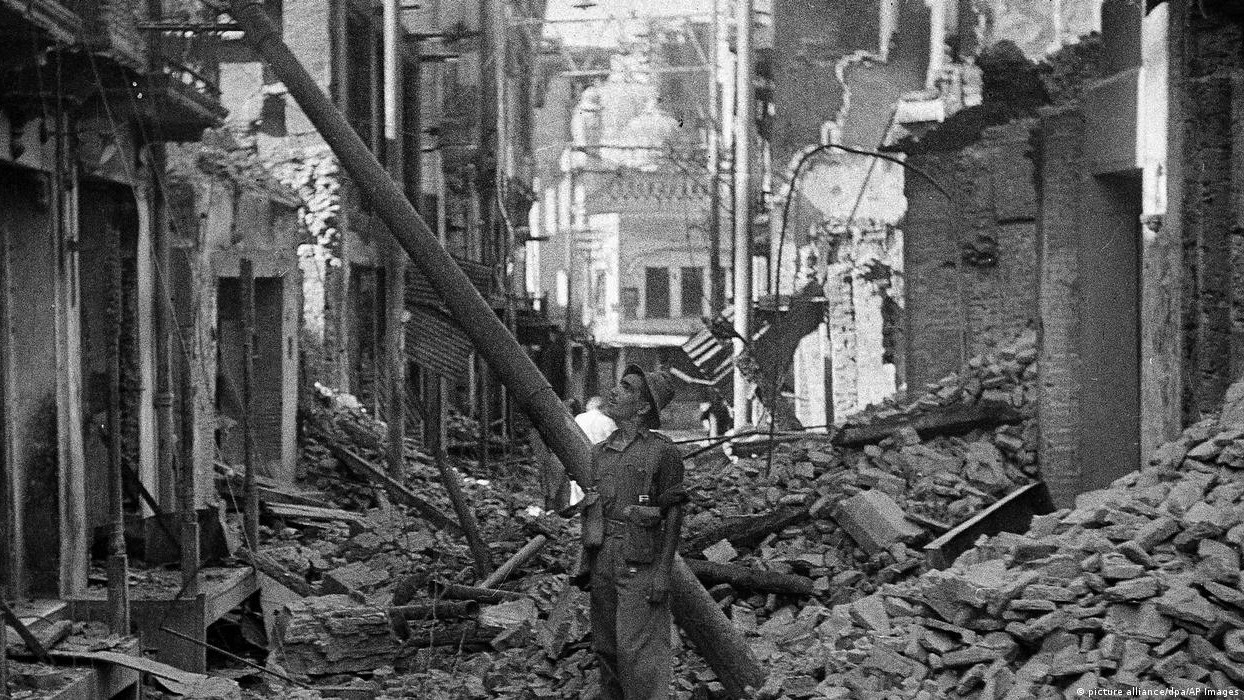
(625, 401)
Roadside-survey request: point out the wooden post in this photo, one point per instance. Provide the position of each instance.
(395, 355)
(250, 485)
(118, 564)
(453, 486)
(485, 416)
(166, 419)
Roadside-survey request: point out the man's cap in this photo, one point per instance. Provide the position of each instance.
(660, 384)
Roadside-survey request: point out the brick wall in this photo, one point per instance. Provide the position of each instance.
(1059, 338)
(956, 309)
(1198, 304)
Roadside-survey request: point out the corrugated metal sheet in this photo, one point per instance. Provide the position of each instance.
(419, 290)
(435, 341)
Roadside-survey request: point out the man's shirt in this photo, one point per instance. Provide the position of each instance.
(647, 465)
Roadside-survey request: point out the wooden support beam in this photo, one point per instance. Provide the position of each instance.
(118, 564)
(948, 420)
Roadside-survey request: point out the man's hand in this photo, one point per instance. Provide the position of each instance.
(660, 590)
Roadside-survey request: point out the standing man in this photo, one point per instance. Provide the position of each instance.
(631, 524)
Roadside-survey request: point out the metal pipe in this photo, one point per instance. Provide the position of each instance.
(716, 280)
(742, 210)
(250, 485)
(512, 365)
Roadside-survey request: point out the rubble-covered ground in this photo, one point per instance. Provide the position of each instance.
(849, 521)
(1137, 587)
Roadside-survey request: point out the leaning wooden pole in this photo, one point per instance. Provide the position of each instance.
(250, 485)
(118, 564)
(694, 609)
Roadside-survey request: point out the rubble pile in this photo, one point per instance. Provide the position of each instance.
(845, 516)
(1006, 376)
(1137, 587)
(791, 546)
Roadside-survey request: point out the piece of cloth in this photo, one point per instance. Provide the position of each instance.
(631, 635)
(596, 425)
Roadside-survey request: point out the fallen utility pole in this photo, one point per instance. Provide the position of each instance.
(721, 644)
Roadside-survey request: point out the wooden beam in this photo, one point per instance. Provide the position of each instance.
(948, 420)
(1013, 513)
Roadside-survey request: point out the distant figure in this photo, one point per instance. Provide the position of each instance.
(594, 422)
(716, 415)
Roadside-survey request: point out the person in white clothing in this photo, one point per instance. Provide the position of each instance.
(594, 422)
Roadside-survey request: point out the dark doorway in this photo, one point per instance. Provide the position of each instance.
(1110, 330)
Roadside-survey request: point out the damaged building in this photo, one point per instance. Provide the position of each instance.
(288, 290)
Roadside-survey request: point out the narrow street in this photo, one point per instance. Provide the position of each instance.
(696, 349)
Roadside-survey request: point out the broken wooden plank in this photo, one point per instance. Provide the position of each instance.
(436, 610)
(33, 643)
(456, 591)
(1013, 513)
(312, 513)
(747, 531)
(396, 489)
(49, 636)
(949, 420)
(269, 567)
(745, 577)
(520, 557)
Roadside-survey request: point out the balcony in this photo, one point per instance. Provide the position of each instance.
(174, 103)
(182, 102)
(59, 22)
